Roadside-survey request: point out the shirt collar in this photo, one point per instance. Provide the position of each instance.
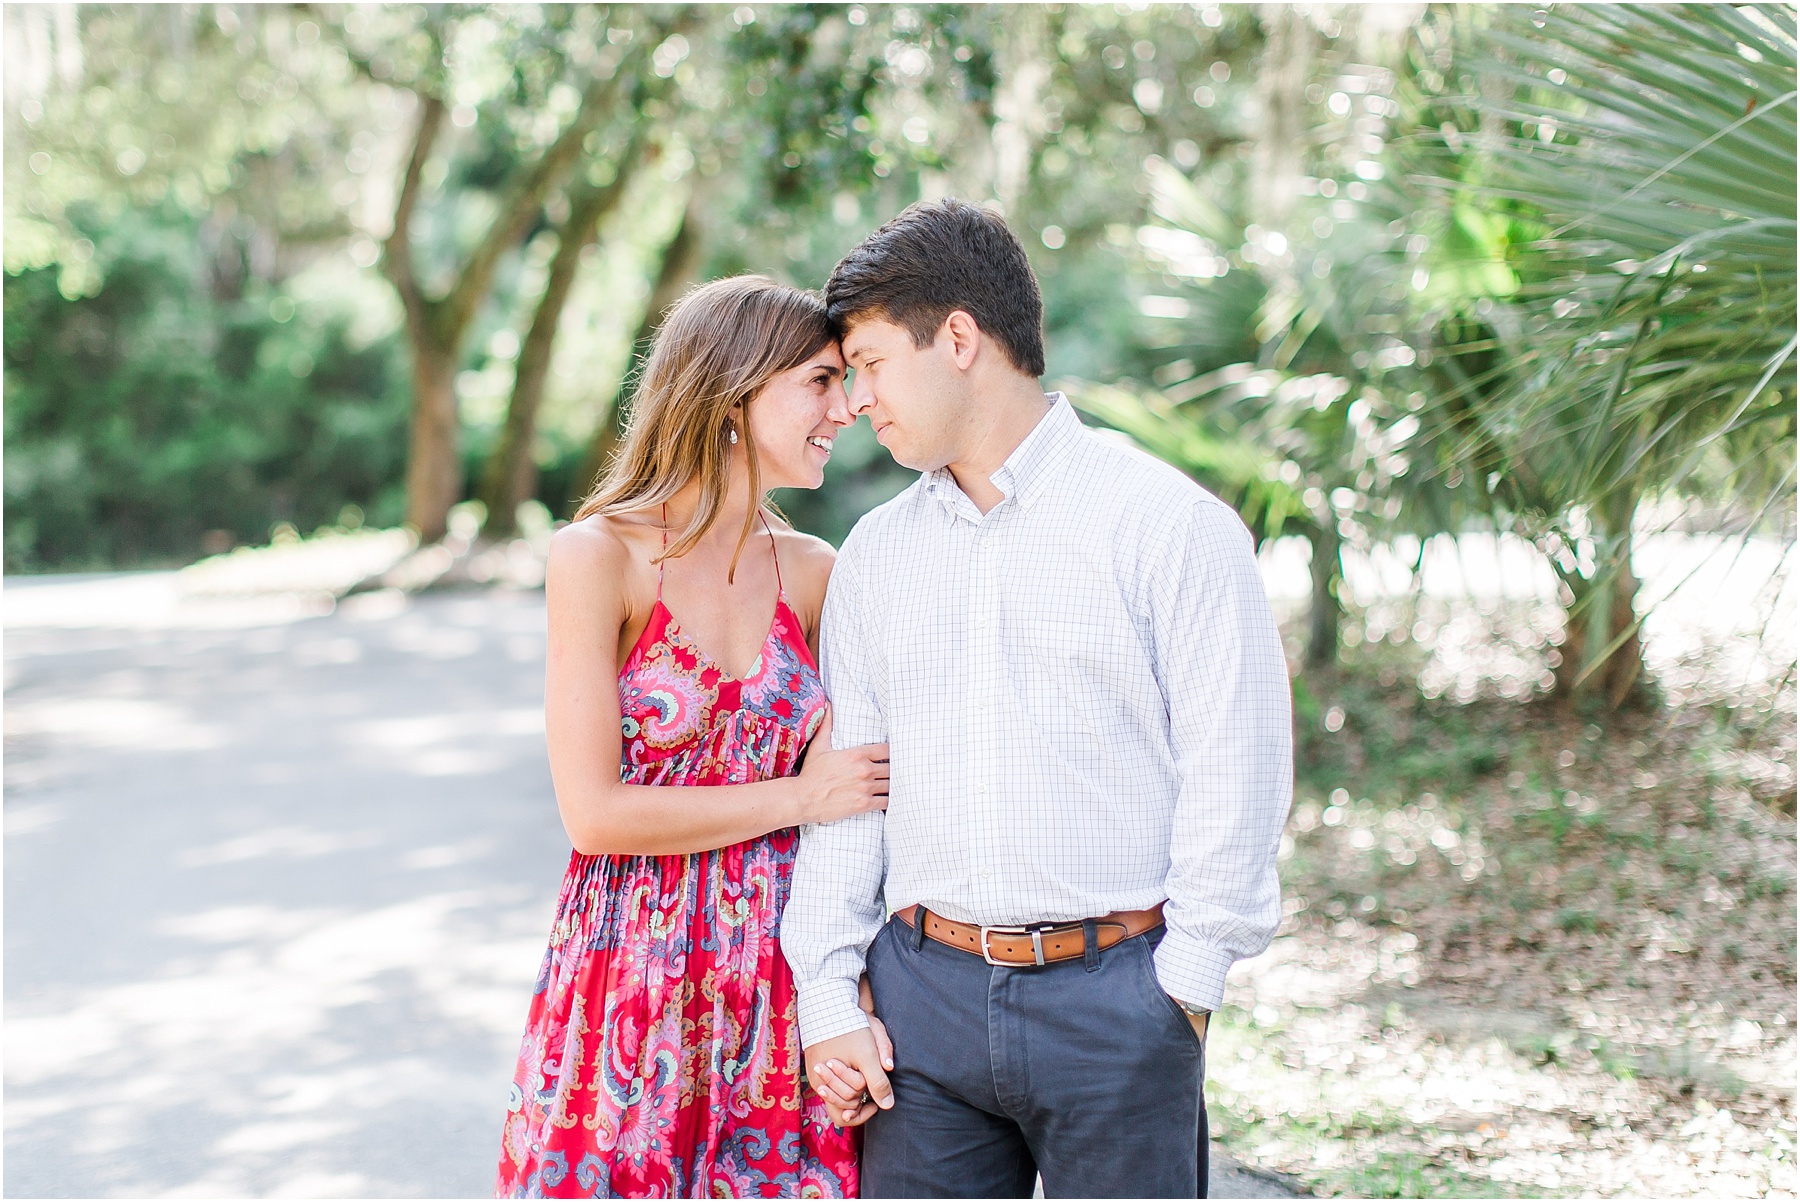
(1030, 467)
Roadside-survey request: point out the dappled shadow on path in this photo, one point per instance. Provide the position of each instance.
(276, 894)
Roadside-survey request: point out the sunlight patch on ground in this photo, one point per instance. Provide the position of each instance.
(1309, 1074)
(282, 842)
(115, 723)
(252, 1028)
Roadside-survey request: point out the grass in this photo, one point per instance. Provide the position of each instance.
(1408, 1176)
(1527, 951)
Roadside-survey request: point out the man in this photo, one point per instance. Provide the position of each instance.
(1067, 646)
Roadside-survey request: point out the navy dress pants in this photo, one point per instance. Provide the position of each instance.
(1083, 1071)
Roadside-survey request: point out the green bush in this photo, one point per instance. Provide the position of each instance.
(158, 418)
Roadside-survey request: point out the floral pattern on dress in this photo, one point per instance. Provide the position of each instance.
(661, 1055)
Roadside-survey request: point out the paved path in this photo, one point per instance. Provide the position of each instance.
(276, 890)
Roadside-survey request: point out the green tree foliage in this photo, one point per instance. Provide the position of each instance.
(151, 418)
(250, 119)
(534, 89)
(1286, 382)
(1366, 272)
(1635, 169)
(179, 369)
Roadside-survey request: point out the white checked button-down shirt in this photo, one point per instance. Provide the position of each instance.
(1087, 708)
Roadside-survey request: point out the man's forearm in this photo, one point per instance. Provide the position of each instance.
(834, 912)
(828, 1008)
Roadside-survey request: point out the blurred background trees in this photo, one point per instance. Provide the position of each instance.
(1374, 274)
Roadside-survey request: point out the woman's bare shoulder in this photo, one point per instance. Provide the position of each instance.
(807, 561)
(805, 551)
(599, 550)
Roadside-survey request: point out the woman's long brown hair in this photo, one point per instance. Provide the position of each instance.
(716, 349)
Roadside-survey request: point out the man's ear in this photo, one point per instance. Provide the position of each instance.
(964, 336)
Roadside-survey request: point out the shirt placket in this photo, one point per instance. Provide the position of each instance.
(984, 688)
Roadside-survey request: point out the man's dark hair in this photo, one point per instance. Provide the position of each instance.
(937, 257)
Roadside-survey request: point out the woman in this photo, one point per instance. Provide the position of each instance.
(661, 1055)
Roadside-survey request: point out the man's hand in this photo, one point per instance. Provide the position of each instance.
(1196, 1021)
(849, 1072)
(850, 1093)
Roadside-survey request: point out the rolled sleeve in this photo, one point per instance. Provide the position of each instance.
(834, 910)
(1225, 679)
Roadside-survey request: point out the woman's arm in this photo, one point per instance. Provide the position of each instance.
(586, 599)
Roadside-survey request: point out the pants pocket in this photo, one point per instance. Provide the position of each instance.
(1167, 1005)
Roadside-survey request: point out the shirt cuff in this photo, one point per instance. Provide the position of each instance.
(829, 1008)
(1191, 971)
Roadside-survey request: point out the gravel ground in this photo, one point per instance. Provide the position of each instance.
(278, 879)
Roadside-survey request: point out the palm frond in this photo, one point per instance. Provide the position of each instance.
(1658, 307)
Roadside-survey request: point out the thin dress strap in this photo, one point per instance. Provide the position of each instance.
(660, 562)
(779, 591)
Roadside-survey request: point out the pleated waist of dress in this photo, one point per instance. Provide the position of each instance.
(674, 901)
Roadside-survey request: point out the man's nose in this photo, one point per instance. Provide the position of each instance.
(860, 397)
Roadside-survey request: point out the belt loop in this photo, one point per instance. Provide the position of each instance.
(919, 927)
(1090, 944)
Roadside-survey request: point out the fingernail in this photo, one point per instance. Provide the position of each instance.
(888, 1063)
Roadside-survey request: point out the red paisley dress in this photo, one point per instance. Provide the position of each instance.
(661, 1056)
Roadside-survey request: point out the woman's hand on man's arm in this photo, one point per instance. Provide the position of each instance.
(841, 784)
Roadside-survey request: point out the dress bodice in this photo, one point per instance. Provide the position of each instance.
(675, 702)
(682, 720)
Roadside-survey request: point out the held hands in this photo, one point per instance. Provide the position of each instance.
(850, 1071)
(842, 784)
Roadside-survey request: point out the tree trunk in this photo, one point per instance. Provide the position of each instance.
(1577, 619)
(680, 266)
(1603, 653)
(434, 466)
(1327, 604)
(1625, 667)
(1286, 65)
(436, 326)
(509, 477)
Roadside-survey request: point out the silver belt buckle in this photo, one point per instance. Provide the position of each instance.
(1037, 944)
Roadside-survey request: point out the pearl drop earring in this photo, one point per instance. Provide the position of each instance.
(732, 432)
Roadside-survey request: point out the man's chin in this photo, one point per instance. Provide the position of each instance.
(899, 452)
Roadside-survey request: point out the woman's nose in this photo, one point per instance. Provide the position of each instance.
(837, 409)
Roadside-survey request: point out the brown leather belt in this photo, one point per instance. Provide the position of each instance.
(1041, 943)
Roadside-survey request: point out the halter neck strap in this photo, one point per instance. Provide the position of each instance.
(773, 553)
(780, 591)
